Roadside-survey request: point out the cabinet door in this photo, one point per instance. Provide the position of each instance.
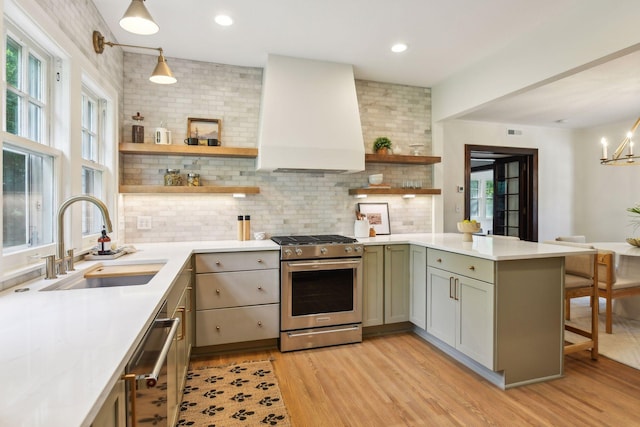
(418, 286)
(475, 319)
(373, 288)
(396, 283)
(113, 412)
(441, 305)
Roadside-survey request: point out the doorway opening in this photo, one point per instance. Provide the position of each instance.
(501, 190)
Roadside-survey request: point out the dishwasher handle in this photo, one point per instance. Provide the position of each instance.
(152, 378)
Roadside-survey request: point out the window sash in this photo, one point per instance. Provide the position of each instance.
(27, 186)
(26, 90)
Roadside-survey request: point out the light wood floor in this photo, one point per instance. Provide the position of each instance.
(400, 380)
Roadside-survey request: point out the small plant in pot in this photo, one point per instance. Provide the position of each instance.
(382, 145)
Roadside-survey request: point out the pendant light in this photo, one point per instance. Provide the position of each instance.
(138, 20)
(161, 74)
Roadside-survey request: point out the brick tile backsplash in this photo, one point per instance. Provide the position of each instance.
(288, 203)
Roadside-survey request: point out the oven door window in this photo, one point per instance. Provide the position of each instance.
(325, 291)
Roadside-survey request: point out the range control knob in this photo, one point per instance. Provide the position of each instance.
(348, 249)
(287, 252)
(358, 248)
(298, 251)
(323, 250)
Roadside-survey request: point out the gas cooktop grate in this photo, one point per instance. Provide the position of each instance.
(312, 240)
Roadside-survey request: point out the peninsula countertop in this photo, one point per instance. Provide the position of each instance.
(62, 351)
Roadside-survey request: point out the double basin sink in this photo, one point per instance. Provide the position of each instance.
(107, 276)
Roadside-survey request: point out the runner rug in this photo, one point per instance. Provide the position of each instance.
(243, 394)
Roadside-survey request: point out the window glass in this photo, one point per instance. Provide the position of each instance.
(27, 185)
(90, 140)
(35, 77)
(92, 220)
(14, 51)
(488, 186)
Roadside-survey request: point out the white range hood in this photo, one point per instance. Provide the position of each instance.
(309, 117)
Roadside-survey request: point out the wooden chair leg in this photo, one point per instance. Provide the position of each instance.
(609, 326)
(567, 308)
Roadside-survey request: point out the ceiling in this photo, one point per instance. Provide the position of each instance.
(444, 37)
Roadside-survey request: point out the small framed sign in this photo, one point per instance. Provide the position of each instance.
(206, 131)
(378, 216)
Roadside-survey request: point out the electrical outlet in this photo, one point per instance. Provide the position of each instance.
(460, 189)
(144, 223)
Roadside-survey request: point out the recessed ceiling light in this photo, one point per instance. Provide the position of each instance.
(224, 20)
(399, 47)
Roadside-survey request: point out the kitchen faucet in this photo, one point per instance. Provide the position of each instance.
(65, 262)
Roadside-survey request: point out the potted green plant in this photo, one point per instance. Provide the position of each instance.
(382, 145)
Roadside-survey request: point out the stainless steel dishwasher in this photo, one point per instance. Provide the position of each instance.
(146, 373)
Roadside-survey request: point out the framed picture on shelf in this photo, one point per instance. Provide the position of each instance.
(207, 131)
(378, 216)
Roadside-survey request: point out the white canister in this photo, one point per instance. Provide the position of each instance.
(361, 228)
(162, 136)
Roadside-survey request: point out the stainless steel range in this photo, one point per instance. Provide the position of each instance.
(321, 291)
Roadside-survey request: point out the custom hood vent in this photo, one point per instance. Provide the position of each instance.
(309, 117)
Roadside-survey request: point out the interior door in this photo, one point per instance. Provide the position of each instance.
(515, 188)
(510, 207)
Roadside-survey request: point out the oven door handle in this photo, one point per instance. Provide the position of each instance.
(152, 378)
(324, 265)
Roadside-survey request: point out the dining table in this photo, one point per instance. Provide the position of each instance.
(627, 262)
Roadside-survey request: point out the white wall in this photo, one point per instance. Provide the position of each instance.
(603, 193)
(556, 170)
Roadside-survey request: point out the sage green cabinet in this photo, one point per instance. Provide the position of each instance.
(418, 286)
(386, 284)
(114, 410)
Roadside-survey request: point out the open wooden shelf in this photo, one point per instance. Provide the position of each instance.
(399, 191)
(188, 150)
(186, 189)
(404, 159)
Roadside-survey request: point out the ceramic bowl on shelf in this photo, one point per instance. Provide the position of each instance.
(468, 228)
(375, 179)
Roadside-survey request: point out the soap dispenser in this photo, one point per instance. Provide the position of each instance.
(104, 243)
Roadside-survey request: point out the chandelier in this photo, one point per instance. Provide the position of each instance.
(617, 158)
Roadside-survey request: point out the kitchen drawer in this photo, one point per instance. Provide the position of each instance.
(464, 265)
(230, 325)
(237, 261)
(237, 288)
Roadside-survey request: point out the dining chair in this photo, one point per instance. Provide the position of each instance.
(580, 279)
(614, 284)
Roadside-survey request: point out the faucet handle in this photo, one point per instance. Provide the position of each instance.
(50, 267)
(69, 259)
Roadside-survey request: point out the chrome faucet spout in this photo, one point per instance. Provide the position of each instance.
(63, 207)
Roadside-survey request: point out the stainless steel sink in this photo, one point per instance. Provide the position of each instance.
(108, 276)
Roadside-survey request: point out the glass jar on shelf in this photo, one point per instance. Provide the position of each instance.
(172, 178)
(193, 180)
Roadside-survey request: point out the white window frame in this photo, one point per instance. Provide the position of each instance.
(29, 47)
(16, 258)
(96, 163)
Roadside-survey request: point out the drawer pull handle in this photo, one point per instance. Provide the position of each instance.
(259, 323)
(260, 260)
(217, 327)
(259, 288)
(218, 262)
(439, 260)
(472, 268)
(218, 291)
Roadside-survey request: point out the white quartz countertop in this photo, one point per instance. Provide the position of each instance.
(62, 351)
(482, 246)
